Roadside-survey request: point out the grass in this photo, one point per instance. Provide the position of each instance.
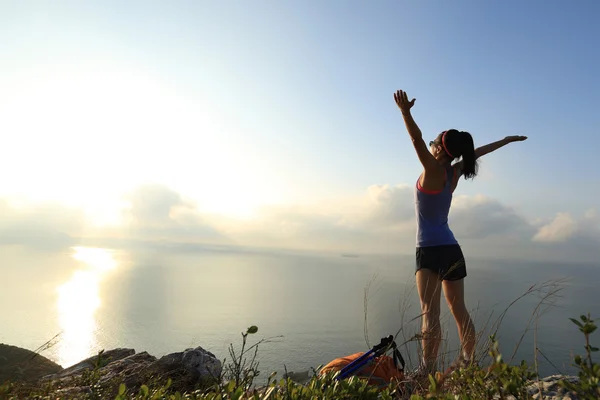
(491, 377)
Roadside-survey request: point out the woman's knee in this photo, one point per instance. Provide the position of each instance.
(456, 305)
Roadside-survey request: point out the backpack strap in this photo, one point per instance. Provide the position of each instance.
(389, 343)
(398, 359)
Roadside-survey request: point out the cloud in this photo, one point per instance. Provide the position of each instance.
(563, 227)
(382, 220)
(480, 217)
(566, 228)
(158, 212)
(296, 227)
(41, 225)
(153, 213)
(591, 214)
(471, 217)
(389, 207)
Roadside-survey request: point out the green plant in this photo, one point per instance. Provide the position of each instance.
(5, 390)
(242, 372)
(588, 385)
(499, 380)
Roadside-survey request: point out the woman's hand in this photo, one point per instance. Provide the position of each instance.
(402, 101)
(515, 138)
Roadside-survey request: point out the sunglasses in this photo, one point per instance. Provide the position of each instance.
(431, 143)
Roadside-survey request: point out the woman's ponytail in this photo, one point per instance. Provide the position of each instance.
(460, 144)
(468, 156)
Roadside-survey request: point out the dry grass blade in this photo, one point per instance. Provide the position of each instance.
(549, 291)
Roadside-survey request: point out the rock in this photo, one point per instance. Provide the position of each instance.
(130, 370)
(551, 390)
(22, 365)
(299, 377)
(189, 367)
(90, 363)
(186, 369)
(72, 392)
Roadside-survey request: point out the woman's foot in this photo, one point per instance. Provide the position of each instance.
(461, 363)
(421, 372)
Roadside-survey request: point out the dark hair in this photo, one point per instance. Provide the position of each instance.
(460, 144)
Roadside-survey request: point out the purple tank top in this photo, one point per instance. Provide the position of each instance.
(432, 209)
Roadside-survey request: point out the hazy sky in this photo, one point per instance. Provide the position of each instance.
(281, 113)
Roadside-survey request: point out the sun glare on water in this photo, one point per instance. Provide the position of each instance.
(78, 300)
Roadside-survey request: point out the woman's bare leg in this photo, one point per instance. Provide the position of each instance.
(454, 291)
(428, 285)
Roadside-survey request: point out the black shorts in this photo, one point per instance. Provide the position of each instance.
(447, 261)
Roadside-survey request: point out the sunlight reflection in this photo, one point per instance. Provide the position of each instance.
(78, 300)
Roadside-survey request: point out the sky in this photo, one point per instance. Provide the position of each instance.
(273, 123)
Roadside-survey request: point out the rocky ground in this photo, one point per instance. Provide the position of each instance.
(186, 368)
(550, 388)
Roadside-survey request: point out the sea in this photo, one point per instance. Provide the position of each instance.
(309, 307)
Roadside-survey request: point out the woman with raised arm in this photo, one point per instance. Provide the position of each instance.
(439, 259)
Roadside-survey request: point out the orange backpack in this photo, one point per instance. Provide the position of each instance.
(379, 369)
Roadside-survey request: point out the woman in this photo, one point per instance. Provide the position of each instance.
(439, 259)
